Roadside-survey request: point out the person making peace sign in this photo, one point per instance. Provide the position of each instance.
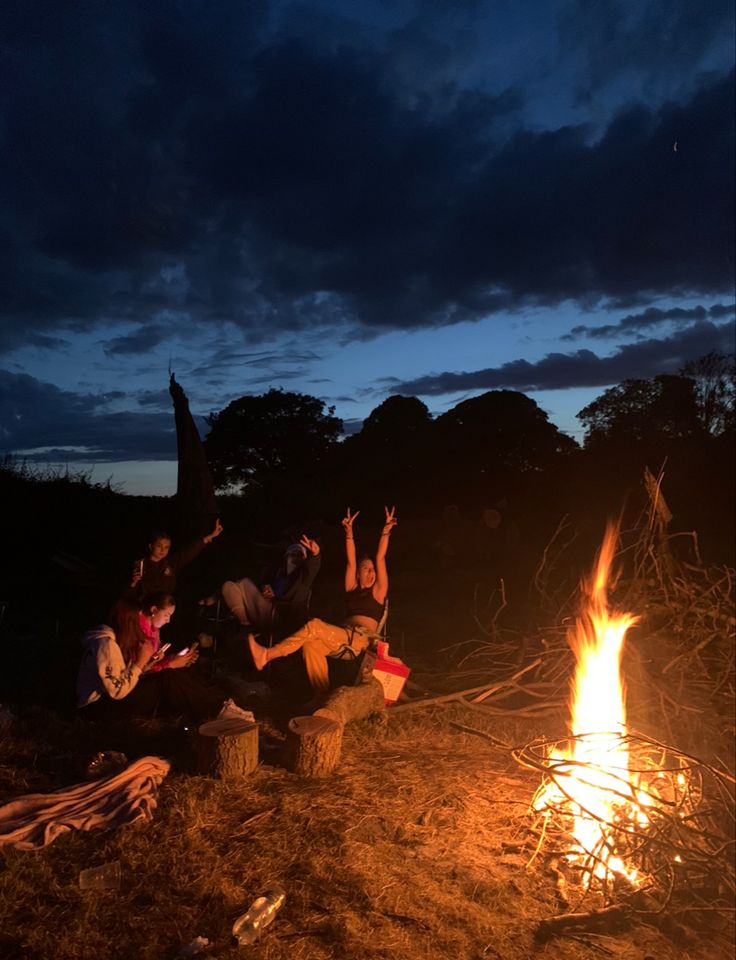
(366, 589)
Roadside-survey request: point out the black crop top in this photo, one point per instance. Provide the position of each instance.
(362, 603)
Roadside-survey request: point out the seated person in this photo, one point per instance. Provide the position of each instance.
(366, 589)
(252, 604)
(157, 572)
(125, 671)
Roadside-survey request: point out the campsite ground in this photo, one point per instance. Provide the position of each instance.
(419, 846)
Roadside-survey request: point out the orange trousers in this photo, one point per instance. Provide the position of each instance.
(317, 640)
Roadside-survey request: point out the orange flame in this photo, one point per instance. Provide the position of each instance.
(592, 779)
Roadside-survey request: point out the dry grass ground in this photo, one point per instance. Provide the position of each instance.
(420, 845)
(413, 849)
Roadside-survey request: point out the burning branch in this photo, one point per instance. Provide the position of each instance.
(624, 812)
(670, 823)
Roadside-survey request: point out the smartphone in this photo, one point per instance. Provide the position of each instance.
(191, 649)
(138, 568)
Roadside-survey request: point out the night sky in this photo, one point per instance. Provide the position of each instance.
(351, 200)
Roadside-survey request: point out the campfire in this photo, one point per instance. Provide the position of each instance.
(630, 819)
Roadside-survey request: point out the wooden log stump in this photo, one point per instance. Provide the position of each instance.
(313, 744)
(227, 749)
(312, 747)
(354, 703)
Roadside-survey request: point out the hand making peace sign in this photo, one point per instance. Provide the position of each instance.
(347, 522)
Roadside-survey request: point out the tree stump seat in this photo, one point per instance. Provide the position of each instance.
(227, 749)
(314, 743)
(313, 746)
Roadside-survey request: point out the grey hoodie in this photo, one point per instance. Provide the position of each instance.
(103, 671)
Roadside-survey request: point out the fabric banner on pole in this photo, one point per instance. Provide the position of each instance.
(196, 505)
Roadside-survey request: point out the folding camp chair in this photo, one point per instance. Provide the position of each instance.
(211, 618)
(287, 616)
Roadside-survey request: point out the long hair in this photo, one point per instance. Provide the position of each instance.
(160, 600)
(127, 627)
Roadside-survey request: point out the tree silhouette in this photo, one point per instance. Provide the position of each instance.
(391, 448)
(501, 428)
(396, 421)
(196, 505)
(714, 376)
(655, 412)
(263, 439)
(683, 423)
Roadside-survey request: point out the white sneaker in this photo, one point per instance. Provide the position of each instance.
(231, 711)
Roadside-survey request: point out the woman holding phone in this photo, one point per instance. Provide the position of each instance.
(156, 611)
(126, 672)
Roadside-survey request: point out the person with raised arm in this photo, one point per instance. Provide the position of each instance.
(252, 604)
(157, 573)
(366, 589)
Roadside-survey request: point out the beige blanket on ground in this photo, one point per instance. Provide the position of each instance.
(36, 820)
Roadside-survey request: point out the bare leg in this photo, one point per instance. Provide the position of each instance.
(246, 602)
(259, 653)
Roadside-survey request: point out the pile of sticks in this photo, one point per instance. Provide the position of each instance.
(671, 823)
(680, 660)
(676, 826)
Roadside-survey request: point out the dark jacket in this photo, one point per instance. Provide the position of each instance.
(160, 576)
(295, 587)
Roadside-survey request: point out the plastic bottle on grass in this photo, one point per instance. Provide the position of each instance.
(104, 877)
(248, 927)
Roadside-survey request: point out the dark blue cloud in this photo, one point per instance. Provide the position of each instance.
(296, 181)
(662, 45)
(143, 340)
(583, 368)
(634, 323)
(39, 416)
